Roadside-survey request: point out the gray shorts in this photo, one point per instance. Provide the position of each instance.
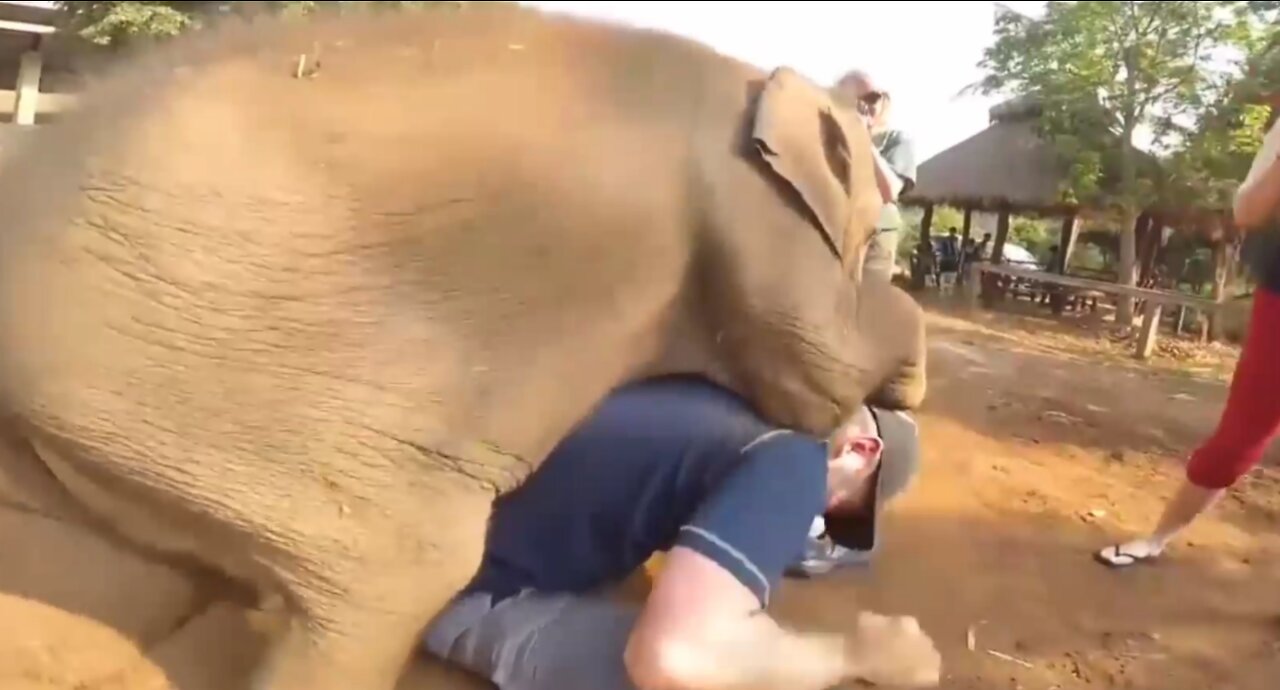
(536, 641)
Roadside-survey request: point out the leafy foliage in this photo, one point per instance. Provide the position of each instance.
(1103, 71)
(1216, 152)
(944, 218)
(1035, 235)
(120, 23)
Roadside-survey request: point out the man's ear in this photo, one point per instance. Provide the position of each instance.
(866, 447)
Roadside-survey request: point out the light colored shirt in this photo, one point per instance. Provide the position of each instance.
(899, 152)
(1261, 249)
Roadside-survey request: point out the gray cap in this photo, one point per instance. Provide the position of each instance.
(899, 463)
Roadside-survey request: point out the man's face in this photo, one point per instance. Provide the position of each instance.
(853, 458)
(860, 90)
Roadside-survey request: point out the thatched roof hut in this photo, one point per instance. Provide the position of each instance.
(1007, 166)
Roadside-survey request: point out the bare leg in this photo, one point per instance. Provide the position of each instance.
(1185, 506)
(1249, 421)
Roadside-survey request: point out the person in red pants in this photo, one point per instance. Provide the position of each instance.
(1251, 418)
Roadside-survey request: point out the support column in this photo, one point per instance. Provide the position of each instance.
(27, 91)
(926, 224)
(1066, 243)
(968, 225)
(1151, 313)
(991, 282)
(1002, 236)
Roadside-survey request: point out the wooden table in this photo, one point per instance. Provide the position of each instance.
(1154, 300)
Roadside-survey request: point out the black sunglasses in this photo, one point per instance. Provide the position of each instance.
(874, 97)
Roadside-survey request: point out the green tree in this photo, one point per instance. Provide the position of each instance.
(944, 218)
(1215, 152)
(1034, 235)
(122, 23)
(1101, 72)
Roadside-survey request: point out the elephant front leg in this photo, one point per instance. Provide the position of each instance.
(355, 627)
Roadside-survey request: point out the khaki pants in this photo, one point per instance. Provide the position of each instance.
(882, 255)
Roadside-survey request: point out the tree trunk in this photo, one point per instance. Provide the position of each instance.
(1151, 232)
(1128, 267)
(1128, 273)
(1066, 243)
(1226, 254)
(1002, 236)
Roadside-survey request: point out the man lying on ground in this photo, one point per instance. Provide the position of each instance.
(683, 466)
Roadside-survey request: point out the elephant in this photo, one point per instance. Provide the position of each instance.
(297, 300)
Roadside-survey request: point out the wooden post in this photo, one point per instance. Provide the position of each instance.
(1151, 313)
(991, 282)
(1002, 236)
(27, 92)
(926, 224)
(968, 224)
(1066, 243)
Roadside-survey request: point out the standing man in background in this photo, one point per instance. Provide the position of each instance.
(895, 166)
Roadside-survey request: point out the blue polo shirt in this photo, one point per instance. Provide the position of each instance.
(661, 463)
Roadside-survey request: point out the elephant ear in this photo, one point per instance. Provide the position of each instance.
(814, 147)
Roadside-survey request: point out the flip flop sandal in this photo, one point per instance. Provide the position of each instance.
(1119, 559)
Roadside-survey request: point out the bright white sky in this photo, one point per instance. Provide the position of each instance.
(924, 52)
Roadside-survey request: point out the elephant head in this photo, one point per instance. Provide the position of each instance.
(784, 313)
(823, 152)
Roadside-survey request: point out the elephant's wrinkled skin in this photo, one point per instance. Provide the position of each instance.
(305, 329)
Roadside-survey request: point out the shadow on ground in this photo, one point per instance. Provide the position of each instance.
(1025, 584)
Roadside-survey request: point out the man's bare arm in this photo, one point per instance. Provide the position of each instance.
(702, 630)
(888, 181)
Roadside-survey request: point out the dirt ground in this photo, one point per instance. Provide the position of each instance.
(1043, 442)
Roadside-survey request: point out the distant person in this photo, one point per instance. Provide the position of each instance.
(949, 252)
(968, 255)
(1048, 292)
(924, 264)
(984, 247)
(1054, 257)
(895, 165)
(1251, 418)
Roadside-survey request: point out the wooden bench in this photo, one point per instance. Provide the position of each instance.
(1154, 300)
